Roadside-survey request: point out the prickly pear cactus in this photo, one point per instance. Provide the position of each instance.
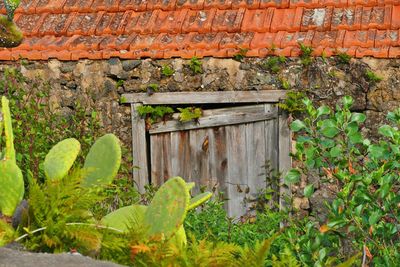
(199, 199)
(103, 161)
(11, 180)
(60, 159)
(125, 218)
(167, 210)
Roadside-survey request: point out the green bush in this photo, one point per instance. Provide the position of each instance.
(365, 214)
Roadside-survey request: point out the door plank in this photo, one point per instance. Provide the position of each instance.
(212, 118)
(139, 149)
(237, 169)
(260, 96)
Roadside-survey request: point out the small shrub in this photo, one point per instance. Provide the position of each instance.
(196, 65)
(241, 54)
(344, 58)
(306, 52)
(167, 71)
(372, 77)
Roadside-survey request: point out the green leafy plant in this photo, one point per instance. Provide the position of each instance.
(167, 71)
(154, 114)
(292, 103)
(305, 55)
(196, 65)
(285, 83)
(241, 54)
(372, 76)
(273, 63)
(365, 211)
(344, 58)
(190, 114)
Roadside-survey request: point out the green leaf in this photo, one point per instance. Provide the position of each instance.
(358, 117)
(309, 190)
(386, 131)
(347, 101)
(335, 152)
(293, 176)
(374, 217)
(323, 110)
(376, 151)
(297, 125)
(356, 138)
(330, 131)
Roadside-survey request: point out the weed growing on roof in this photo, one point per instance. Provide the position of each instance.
(344, 58)
(241, 54)
(167, 71)
(372, 77)
(196, 65)
(273, 63)
(305, 55)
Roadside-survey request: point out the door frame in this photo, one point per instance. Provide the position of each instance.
(139, 142)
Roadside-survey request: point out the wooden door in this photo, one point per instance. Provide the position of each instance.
(227, 150)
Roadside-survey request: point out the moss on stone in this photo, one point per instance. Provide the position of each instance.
(10, 34)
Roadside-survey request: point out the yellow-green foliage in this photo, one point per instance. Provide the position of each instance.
(10, 34)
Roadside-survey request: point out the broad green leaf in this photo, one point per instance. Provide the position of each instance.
(293, 176)
(358, 117)
(335, 151)
(376, 151)
(297, 125)
(386, 130)
(356, 138)
(374, 217)
(309, 190)
(347, 101)
(330, 131)
(323, 110)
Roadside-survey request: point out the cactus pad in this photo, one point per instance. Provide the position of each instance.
(125, 218)
(12, 187)
(179, 239)
(189, 186)
(9, 153)
(167, 211)
(60, 158)
(199, 199)
(11, 180)
(103, 161)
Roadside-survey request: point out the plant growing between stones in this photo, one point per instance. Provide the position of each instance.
(241, 54)
(167, 71)
(273, 63)
(196, 66)
(364, 216)
(305, 55)
(344, 58)
(293, 102)
(372, 77)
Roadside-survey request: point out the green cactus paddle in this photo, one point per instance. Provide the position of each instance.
(167, 210)
(103, 161)
(11, 180)
(125, 218)
(60, 158)
(199, 199)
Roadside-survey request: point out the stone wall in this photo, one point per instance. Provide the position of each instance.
(99, 84)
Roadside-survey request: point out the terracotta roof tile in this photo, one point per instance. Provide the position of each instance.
(74, 29)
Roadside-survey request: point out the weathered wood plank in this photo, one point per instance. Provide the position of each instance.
(285, 161)
(271, 154)
(255, 148)
(221, 160)
(139, 149)
(213, 118)
(237, 169)
(166, 143)
(262, 96)
(157, 164)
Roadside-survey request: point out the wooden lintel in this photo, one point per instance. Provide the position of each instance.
(262, 96)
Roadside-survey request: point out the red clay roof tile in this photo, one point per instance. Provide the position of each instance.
(75, 29)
